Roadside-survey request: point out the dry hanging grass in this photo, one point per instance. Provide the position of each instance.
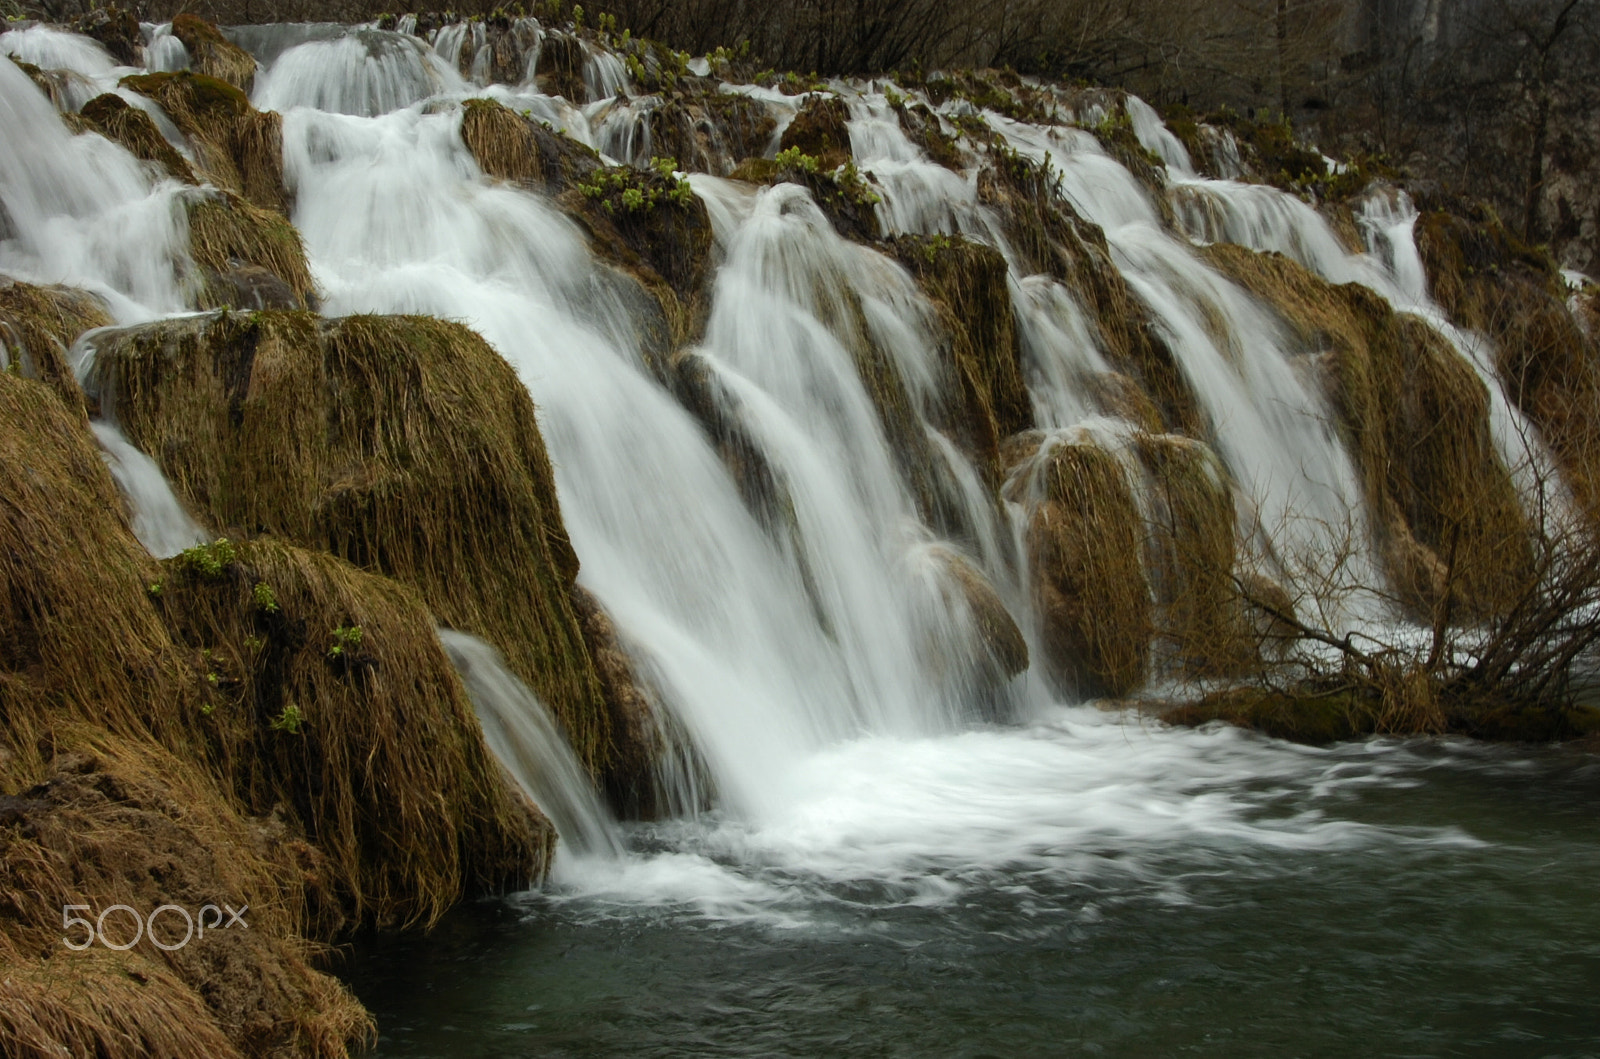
(1202, 621)
(1084, 541)
(1050, 237)
(212, 54)
(120, 821)
(403, 444)
(237, 147)
(228, 234)
(967, 284)
(38, 326)
(132, 128)
(1415, 416)
(1489, 280)
(329, 695)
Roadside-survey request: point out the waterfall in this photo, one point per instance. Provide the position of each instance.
(822, 633)
(521, 733)
(157, 518)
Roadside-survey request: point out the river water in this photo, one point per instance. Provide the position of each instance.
(1088, 885)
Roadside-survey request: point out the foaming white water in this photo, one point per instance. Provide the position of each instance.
(53, 49)
(524, 737)
(80, 210)
(1082, 800)
(397, 219)
(156, 517)
(365, 72)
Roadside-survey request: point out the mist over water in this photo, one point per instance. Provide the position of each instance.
(866, 813)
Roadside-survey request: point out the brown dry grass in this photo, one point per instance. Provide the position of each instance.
(967, 284)
(133, 129)
(226, 231)
(1488, 280)
(403, 444)
(1084, 542)
(370, 745)
(212, 54)
(1415, 417)
(38, 326)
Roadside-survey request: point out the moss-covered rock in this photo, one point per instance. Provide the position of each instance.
(656, 218)
(1416, 418)
(968, 285)
(922, 128)
(405, 445)
(116, 29)
(38, 326)
(709, 131)
(132, 128)
(845, 195)
(820, 129)
(1084, 542)
(213, 55)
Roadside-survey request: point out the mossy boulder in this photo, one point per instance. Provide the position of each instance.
(560, 68)
(969, 287)
(213, 55)
(922, 127)
(1415, 416)
(845, 196)
(821, 130)
(113, 118)
(38, 326)
(1084, 542)
(709, 131)
(405, 445)
(116, 29)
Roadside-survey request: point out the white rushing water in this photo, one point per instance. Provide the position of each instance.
(819, 652)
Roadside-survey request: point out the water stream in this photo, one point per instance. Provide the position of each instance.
(882, 873)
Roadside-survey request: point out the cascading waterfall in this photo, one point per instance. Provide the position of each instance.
(820, 658)
(522, 734)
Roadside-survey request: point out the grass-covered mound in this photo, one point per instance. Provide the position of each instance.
(38, 326)
(405, 445)
(968, 286)
(1085, 539)
(237, 147)
(327, 698)
(1489, 280)
(105, 797)
(131, 127)
(1415, 417)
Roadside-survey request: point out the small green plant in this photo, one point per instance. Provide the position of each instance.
(637, 190)
(577, 16)
(794, 158)
(289, 720)
(153, 590)
(893, 98)
(265, 598)
(253, 643)
(208, 708)
(346, 638)
(207, 561)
